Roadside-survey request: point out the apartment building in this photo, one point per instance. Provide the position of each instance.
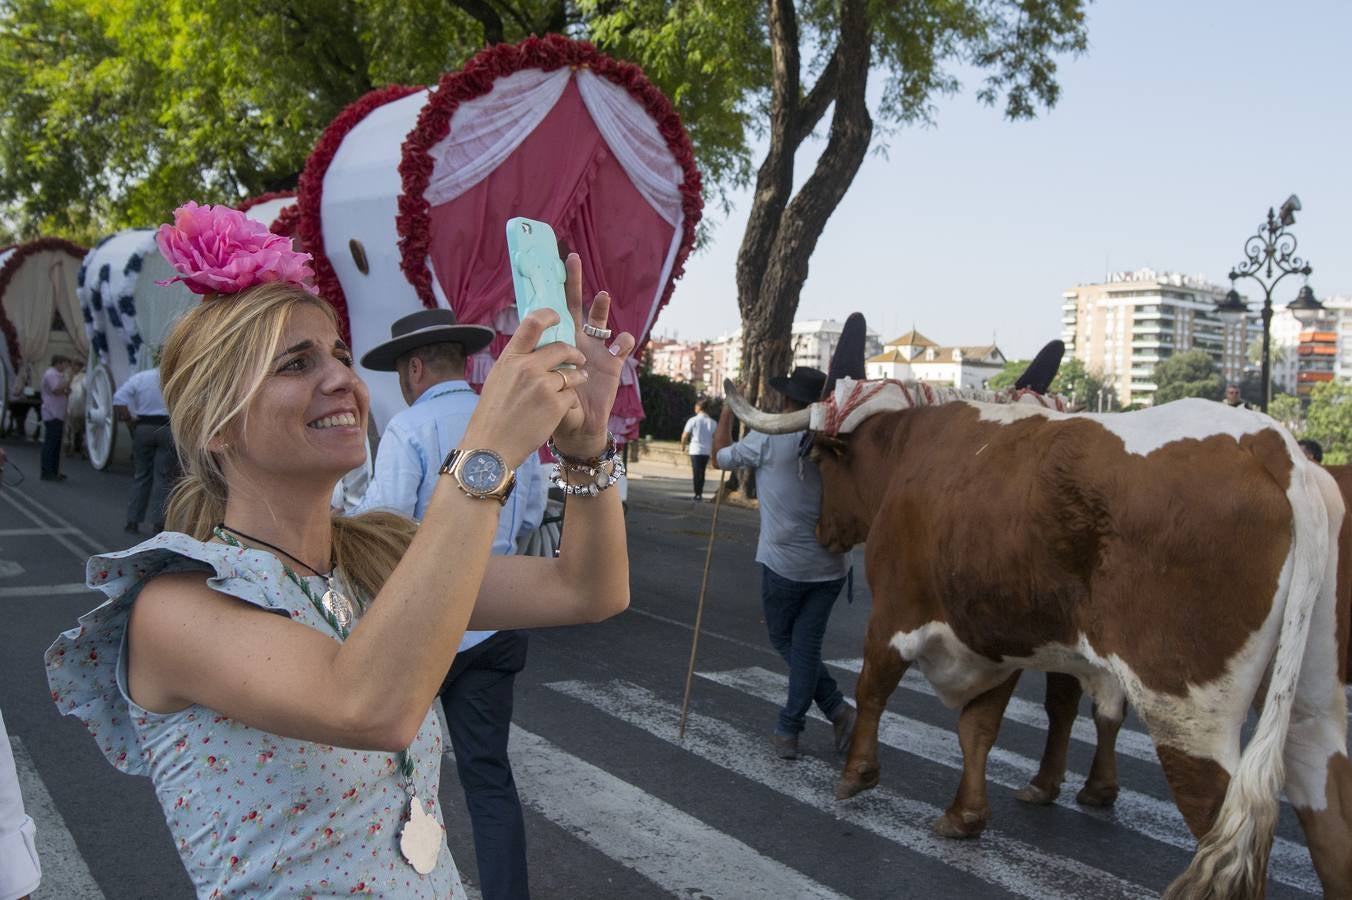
(1122, 327)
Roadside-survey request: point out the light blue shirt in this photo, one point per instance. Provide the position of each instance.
(412, 449)
(789, 492)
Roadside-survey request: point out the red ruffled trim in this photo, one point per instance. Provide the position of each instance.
(7, 274)
(287, 222)
(476, 79)
(311, 193)
(264, 198)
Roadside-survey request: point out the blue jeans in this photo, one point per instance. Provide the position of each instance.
(796, 613)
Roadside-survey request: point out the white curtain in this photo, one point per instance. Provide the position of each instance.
(29, 304)
(632, 135)
(487, 129)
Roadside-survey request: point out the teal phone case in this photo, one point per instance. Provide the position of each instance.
(538, 276)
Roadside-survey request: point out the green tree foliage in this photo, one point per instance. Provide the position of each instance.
(1329, 421)
(666, 406)
(775, 69)
(1006, 377)
(1188, 374)
(114, 111)
(1287, 410)
(1084, 388)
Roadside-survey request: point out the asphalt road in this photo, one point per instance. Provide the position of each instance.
(617, 806)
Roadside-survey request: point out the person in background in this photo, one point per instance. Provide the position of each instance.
(20, 871)
(800, 579)
(697, 440)
(1312, 450)
(139, 403)
(55, 389)
(1233, 398)
(429, 350)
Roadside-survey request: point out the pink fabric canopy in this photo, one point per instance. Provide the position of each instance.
(596, 212)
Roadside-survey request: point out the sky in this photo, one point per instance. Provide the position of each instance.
(1177, 130)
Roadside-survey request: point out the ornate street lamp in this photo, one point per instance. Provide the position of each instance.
(1271, 252)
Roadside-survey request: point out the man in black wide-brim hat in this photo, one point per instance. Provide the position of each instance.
(800, 579)
(429, 350)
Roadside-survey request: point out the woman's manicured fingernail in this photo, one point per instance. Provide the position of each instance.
(613, 349)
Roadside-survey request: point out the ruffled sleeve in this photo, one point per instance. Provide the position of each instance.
(86, 667)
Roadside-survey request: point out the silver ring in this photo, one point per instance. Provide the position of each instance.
(602, 333)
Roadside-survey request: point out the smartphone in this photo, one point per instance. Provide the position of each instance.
(538, 276)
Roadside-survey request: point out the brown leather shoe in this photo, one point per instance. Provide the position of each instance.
(843, 722)
(785, 747)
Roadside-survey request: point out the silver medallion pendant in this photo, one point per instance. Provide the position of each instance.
(338, 606)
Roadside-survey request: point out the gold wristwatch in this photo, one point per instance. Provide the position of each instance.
(482, 474)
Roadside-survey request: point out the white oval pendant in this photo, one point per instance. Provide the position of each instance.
(338, 606)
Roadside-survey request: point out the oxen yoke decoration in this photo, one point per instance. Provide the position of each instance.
(854, 401)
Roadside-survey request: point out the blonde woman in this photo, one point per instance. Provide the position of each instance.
(272, 667)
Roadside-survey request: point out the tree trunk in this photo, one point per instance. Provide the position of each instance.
(783, 228)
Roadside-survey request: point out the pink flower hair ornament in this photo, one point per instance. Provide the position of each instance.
(219, 250)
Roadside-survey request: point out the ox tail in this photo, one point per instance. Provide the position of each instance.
(1231, 859)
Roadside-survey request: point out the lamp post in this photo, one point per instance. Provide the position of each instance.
(1269, 256)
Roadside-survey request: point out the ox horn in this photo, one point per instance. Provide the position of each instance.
(764, 422)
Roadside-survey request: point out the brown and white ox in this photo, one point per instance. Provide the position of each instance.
(1182, 558)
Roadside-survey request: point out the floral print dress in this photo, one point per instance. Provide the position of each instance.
(253, 814)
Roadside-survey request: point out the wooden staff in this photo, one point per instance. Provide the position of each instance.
(699, 610)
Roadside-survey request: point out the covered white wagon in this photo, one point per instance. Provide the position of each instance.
(127, 317)
(39, 317)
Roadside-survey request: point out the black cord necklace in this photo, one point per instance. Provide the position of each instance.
(273, 547)
(334, 605)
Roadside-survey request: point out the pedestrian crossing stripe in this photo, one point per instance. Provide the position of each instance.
(1148, 816)
(670, 848)
(998, 859)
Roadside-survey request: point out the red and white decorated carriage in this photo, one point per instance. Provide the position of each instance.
(405, 199)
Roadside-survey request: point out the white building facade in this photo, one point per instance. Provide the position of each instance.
(914, 357)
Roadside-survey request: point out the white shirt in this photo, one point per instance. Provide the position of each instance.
(20, 871)
(140, 394)
(409, 459)
(701, 430)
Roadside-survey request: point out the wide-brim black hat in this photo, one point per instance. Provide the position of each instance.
(426, 326)
(804, 384)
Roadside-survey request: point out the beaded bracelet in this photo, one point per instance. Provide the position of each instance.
(578, 464)
(601, 478)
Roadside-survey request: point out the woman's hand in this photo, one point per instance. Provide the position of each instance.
(525, 397)
(583, 429)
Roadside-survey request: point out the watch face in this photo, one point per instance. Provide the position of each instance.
(482, 472)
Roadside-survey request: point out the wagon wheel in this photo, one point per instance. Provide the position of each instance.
(100, 424)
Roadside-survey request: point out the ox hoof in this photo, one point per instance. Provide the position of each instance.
(1038, 796)
(966, 825)
(856, 781)
(1097, 795)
